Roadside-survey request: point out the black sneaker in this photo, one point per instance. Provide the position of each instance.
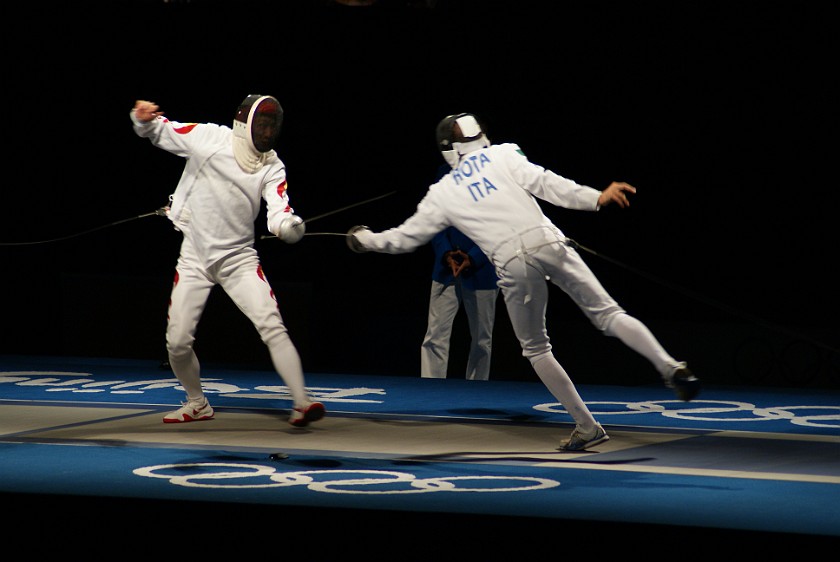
(686, 386)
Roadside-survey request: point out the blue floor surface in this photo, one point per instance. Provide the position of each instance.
(758, 466)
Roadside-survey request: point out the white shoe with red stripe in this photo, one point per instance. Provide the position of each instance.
(192, 410)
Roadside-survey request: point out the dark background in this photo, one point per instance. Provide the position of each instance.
(722, 114)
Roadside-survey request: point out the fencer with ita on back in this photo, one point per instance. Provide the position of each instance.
(227, 174)
(491, 196)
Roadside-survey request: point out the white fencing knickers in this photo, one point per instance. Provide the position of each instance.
(524, 283)
(242, 278)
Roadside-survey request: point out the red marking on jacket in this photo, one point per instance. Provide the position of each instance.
(281, 188)
(185, 129)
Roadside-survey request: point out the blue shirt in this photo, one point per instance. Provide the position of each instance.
(480, 275)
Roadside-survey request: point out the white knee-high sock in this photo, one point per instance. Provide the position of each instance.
(555, 378)
(286, 360)
(188, 372)
(639, 338)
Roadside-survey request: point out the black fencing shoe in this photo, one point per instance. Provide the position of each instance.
(686, 386)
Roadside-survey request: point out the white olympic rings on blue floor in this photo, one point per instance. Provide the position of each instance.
(705, 410)
(336, 482)
(821, 416)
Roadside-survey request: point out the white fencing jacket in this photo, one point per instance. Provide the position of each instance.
(490, 197)
(216, 203)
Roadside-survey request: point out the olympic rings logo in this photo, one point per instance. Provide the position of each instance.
(220, 475)
(822, 416)
(710, 410)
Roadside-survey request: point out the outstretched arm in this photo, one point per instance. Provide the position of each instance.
(616, 192)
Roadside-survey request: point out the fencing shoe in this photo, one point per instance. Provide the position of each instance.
(580, 442)
(192, 410)
(303, 415)
(685, 385)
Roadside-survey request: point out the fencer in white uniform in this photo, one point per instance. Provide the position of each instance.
(490, 195)
(228, 172)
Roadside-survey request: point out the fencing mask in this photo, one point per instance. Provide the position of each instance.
(459, 134)
(255, 129)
